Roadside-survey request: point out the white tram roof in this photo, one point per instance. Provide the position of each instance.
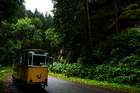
(35, 51)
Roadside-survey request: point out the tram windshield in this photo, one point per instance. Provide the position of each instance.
(39, 60)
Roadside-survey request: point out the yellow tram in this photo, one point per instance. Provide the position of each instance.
(31, 67)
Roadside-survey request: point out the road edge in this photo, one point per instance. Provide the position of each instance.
(99, 84)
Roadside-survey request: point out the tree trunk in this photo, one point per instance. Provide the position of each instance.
(116, 10)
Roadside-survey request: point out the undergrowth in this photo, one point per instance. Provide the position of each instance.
(4, 71)
(125, 71)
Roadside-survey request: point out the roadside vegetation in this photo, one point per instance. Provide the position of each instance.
(4, 71)
(104, 72)
(123, 76)
(120, 78)
(121, 67)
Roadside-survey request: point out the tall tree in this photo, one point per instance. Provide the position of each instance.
(8, 8)
(88, 22)
(67, 21)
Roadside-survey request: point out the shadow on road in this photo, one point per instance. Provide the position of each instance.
(30, 89)
(8, 86)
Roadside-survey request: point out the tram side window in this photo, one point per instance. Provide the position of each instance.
(39, 60)
(25, 60)
(29, 59)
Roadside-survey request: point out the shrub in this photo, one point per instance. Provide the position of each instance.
(124, 72)
(126, 42)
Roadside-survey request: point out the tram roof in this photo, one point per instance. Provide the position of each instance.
(28, 50)
(35, 50)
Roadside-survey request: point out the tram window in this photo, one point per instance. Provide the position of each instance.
(25, 60)
(29, 60)
(39, 60)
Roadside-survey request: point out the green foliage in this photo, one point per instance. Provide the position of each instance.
(132, 11)
(4, 71)
(117, 46)
(126, 42)
(20, 29)
(55, 38)
(86, 25)
(25, 27)
(9, 8)
(67, 69)
(37, 22)
(24, 30)
(126, 71)
(23, 33)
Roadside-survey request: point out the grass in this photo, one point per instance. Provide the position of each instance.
(4, 71)
(100, 84)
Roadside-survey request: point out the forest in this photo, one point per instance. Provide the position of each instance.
(92, 39)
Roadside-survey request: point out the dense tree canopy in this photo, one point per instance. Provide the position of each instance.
(85, 24)
(79, 30)
(10, 8)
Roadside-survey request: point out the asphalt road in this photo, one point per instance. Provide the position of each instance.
(62, 86)
(54, 86)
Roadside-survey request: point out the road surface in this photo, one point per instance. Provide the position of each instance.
(62, 86)
(54, 86)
